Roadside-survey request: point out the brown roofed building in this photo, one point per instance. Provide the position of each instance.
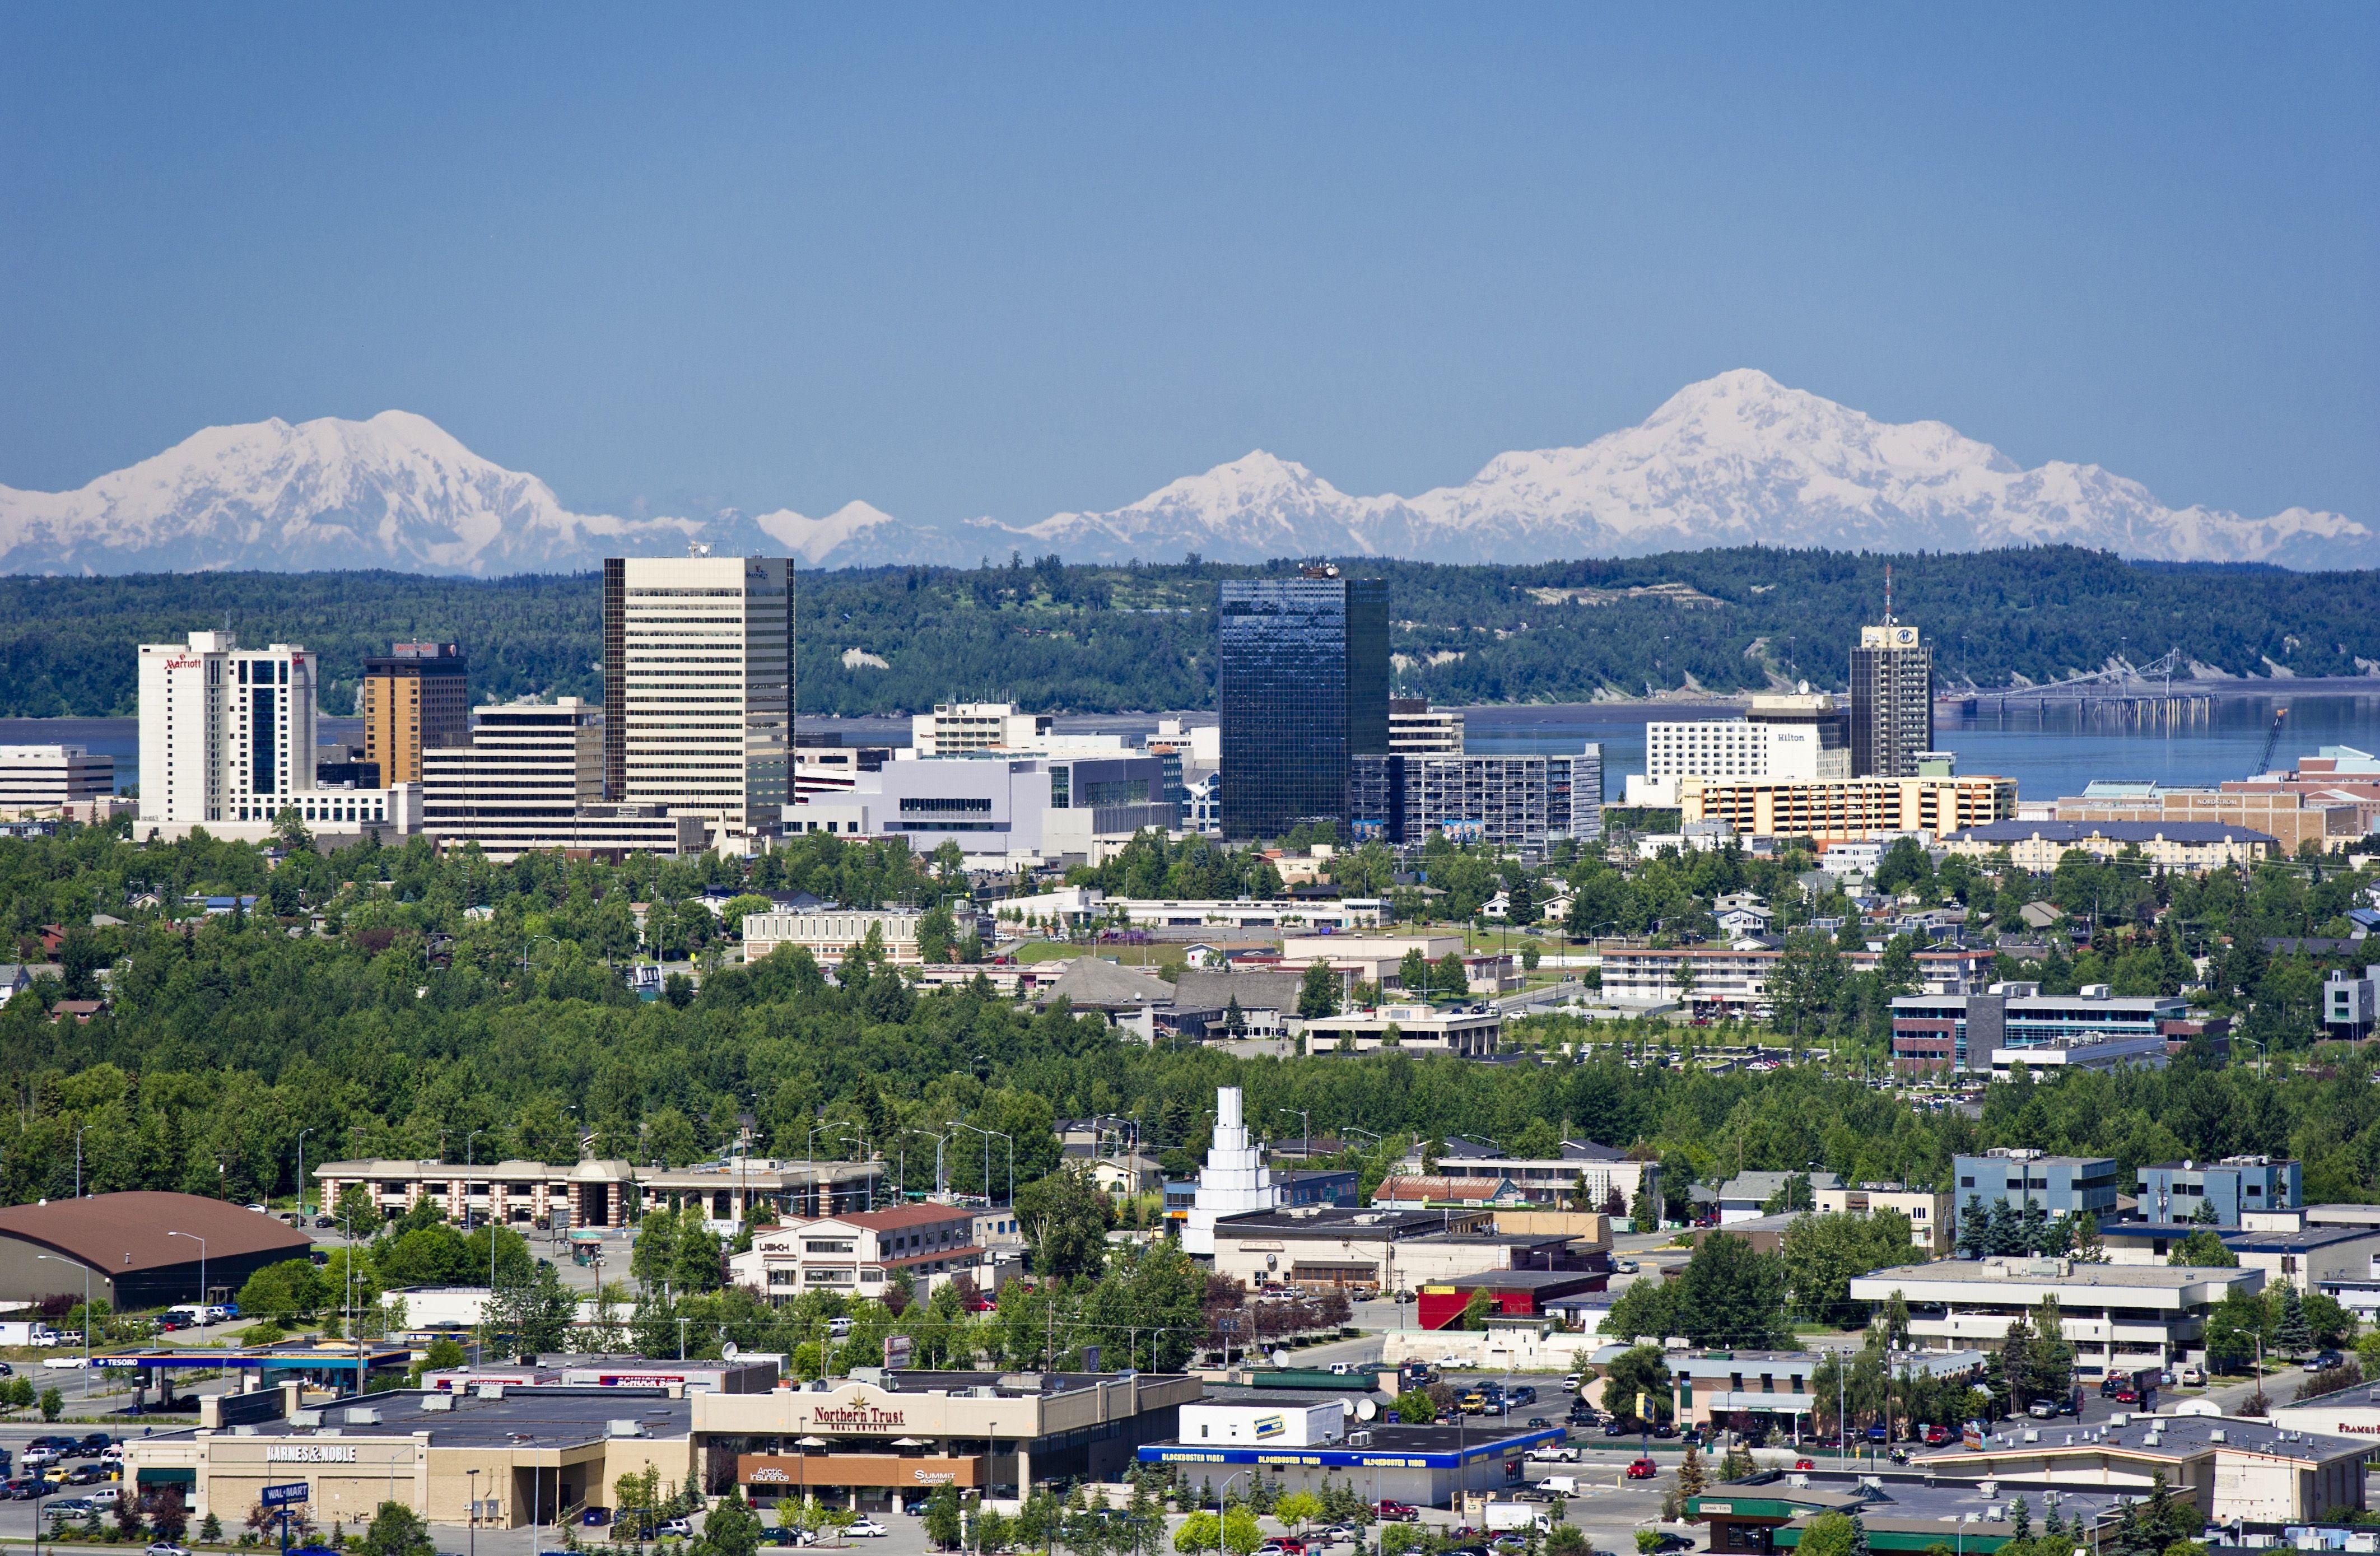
(142, 1248)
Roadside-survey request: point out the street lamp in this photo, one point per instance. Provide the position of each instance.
(54, 1259)
(475, 1510)
(202, 1268)
(806, 1444)
(1304, 1127)
(301, 1171)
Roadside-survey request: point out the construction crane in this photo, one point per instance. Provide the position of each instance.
(2272, 738)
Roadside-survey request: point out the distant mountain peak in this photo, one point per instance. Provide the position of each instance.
(1736, 458)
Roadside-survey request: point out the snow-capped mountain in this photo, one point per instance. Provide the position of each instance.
(1731, 460)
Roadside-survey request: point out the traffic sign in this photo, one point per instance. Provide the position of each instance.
(281, 1496)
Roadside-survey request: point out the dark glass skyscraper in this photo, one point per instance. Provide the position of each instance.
(1303, 686)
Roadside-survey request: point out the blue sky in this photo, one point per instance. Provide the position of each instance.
(1010, 260)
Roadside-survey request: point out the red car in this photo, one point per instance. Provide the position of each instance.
(1805, 1463)
(1643, 1469)
(1937, 1436)
(2127, 1395)
(1396, 1513)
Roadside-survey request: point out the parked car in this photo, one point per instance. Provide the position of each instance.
(97, 1442)
(2043, 1409)
(1643, 1469)
(1341, 1369)
(2190, 1373)
(680, 1527)
(1395, 1512)
(1444, 1362)
(69, 1507)
(1281, 1547)
(1526, 1394)
(2324, 1362)
(167, 1547)
(1805, 1463)
(92, 1475)
(1560, 1454)
(1337, 1534)
(324, 1224)
(24, 1488)
(867, 1529)
(1664, 1429)
(1622, 1426)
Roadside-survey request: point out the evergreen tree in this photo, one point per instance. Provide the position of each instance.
(2293, 1335)
(1974, 1227)
(2020, 1519)
(2016, 1363)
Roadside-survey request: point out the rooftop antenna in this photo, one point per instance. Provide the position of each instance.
(1887, 594)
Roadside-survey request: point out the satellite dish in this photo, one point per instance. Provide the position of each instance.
(1365, 1409)
(1279, 1357)
(729, 1350)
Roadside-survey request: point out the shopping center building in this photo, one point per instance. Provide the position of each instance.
(515, 1454)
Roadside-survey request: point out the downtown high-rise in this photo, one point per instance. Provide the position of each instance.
(1302, 686)
(699, 687)
(1892, 700)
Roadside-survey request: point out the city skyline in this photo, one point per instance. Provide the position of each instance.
(766, 259)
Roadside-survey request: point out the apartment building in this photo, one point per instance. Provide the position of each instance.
(1848, 809)
(699, 687)
(416, 695)
(1528, 803)
(2117, 1317)
(831, 933)
(1736, 980)
(2190, 847)
(2290, 817)
(1585, 1174)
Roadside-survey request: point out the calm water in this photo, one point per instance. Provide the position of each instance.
(2048, 753)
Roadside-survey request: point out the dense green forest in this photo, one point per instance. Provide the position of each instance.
(400, 1023)
(1102, 639)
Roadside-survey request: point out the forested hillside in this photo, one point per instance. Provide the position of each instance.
(1115, 638)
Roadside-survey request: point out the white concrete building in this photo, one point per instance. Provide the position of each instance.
(47, 779)
(532, 777)
(227, 743)
(2116, 1316)
(1235, 1182)
(1276, 1420)
(1417, 729)
(860, 1254)
(699, 687)
(1801, 737)
(1001, 810)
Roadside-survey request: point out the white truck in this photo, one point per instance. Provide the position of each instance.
(1514, 1515)
(29, 1332)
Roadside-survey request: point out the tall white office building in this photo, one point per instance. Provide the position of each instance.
(699, 687)
(1799, 738)
(1234, 1180)
(227, 743)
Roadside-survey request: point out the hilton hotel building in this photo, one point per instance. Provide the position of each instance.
(698, 689)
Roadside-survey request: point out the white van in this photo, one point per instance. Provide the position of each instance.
(1559, 1485)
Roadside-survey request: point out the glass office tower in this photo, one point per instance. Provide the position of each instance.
(1303, 686)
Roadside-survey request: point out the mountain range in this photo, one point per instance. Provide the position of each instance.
(1735, 459)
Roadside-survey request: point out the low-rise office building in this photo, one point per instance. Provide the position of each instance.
(1421, 1465)
(1772, 1510)
(2090, 1051)
(2313, 1260)
(2290, 819)
(1379, 1250)
(1001, 809)
(1585, 1175)
(1469, 1034)
(1964, 1030)
(2060, 1186)
(2234, 1470)
(1752, 1391)
(44, 780)
(2234, 1187)
(2117, 1317)
(860, 1255)
(1511, 1293)
(1523, 802)
(1933, 1217)
(602, 1193)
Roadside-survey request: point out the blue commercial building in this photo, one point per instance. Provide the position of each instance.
(2060, 1184)
(1933, 1032)
(2173, 1191)
(1302, 688)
